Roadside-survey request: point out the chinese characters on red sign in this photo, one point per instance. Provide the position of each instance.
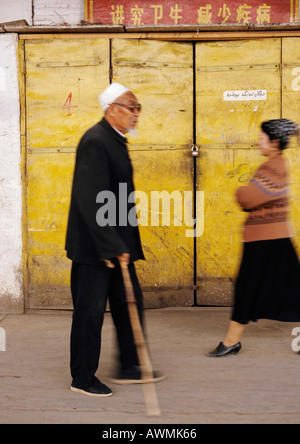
(199, 12)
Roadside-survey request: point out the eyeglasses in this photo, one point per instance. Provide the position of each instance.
(132, 108)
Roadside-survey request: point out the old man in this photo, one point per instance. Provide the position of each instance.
(103, 164)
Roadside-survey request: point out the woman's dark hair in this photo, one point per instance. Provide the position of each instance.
(280, 129)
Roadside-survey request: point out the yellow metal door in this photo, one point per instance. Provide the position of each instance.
(290, 110)
(238, 85)
(63, 80)
(161, 76)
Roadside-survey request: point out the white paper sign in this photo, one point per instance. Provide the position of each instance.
(237, 96)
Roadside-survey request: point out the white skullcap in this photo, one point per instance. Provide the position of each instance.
(111, 93)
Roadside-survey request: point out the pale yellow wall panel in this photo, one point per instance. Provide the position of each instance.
(235, 66)
(293, 157)
(291, 79)
(232, 124)
(48, 196)
(161, 76)
(227, 132)
(291, 51)
(168, 251)
(290, 110)
(64, 79)
(220, 173)
(56, 70)
(161, 154)
(240, 52)
(57, 275)
(49, 189)
(151, 52)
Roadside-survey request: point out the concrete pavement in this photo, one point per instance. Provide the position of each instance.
(261, 385)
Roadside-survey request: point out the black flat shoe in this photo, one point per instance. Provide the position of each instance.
(96, 389)
(222, 350)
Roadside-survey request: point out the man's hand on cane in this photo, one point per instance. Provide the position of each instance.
(125, 257)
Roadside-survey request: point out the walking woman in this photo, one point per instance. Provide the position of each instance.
(268, 283)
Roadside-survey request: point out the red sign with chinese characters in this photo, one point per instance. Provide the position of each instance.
(191, 12)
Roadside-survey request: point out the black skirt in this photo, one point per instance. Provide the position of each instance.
(268, 283)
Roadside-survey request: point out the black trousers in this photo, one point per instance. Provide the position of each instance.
(91, 287)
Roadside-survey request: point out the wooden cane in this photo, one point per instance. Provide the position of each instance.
(150, 395)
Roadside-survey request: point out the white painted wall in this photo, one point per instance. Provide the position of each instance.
(16, 10)
(58, 12)
(11, 280)
(43, 12)
(50, 12)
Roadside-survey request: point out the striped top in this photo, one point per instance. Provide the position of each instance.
(266, 198)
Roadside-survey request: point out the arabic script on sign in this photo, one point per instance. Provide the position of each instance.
(257, 94)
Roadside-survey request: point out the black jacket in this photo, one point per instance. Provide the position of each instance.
(102, 163)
